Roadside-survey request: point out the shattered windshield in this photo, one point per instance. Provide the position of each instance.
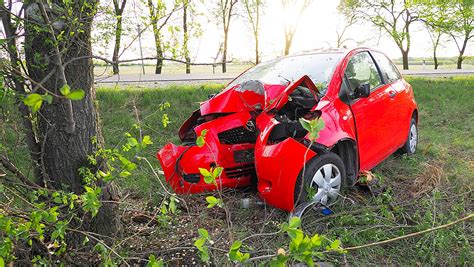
(319, 67)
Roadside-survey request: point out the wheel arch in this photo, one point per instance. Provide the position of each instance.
(346, 149)
(415, 115)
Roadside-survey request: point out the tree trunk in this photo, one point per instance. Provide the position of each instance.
(405, 59)
(459, 62)
(31, 141)
(435, 58)
(65, 151)
(224, 52)
(257, 57)
(186, 37)
(118, 37)
(287, 46)
(159, 54)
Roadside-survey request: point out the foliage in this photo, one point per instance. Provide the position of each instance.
(304, 248)
(201, 244)
(201, 140)
(235, 254)
(44, 216)
(313, 127)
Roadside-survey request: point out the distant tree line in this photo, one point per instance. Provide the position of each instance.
(174, 23)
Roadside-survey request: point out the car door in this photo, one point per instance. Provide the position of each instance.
(371, 114)
(399, 98)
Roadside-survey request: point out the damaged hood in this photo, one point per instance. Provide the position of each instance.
(254, 95)
(278, 101)
(247, 96)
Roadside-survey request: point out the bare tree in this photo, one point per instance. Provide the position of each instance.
(393, 16)
(253, 10)
(159, 18)
(290, 27)
(119, 7)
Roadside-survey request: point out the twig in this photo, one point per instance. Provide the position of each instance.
(470, 216)
(99, 241)
(12, 168)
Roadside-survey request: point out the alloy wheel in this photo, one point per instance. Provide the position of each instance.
(327, 181)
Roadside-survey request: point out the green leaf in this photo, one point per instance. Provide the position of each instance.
(152, 262)
(65, 90)
(125, 173)
(212, 201)
(295, 222)
(165, 120)
(204, 172)
(217, 172)
(199, 243)
(236, 245)
(316, 240)
(146, 141)
(203, 233)
(76, 95)
(48, 99)
(200, 141)
(34, 101)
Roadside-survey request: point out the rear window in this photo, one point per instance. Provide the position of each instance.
(319, 68)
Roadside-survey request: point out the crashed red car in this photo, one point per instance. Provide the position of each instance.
(369, 112)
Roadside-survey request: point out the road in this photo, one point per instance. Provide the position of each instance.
(166, 79)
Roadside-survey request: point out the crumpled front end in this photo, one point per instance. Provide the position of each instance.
(230, 142)
(281, 149)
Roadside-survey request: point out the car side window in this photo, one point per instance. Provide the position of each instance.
(361, 69)
(388, 70)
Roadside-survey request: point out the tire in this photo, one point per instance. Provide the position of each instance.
(326, 187)
(411, 144)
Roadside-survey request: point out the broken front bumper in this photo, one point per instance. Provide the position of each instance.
(278, 165)
(229, 144)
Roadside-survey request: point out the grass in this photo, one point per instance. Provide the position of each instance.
(446, 152)
(431, 188)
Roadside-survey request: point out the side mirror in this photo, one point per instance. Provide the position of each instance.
(362, 91)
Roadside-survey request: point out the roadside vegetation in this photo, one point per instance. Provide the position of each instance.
(432, 188)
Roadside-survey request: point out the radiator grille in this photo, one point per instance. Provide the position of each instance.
(240, 171)
(239, 135)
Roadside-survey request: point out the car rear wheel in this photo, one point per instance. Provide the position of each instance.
(412, 141)
(324, 177)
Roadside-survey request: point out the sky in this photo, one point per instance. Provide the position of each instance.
(316, 29)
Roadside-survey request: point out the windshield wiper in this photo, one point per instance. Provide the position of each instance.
(280, 76)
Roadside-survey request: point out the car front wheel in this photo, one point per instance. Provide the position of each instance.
(324, 178)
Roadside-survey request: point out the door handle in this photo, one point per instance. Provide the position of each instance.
(392, 93)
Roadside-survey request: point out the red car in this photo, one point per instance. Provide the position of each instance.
(253, 127)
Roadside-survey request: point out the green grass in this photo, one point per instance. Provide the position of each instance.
(431, 188)
(446, 152)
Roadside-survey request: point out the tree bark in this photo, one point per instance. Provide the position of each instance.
(257, 56)
(224, 52)
(64, 152)
(405, 59)
(118, 33)
(287, 46)
(461, 54)
(31, 141)
(159, 54)
(118, 37)
(186, 36)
